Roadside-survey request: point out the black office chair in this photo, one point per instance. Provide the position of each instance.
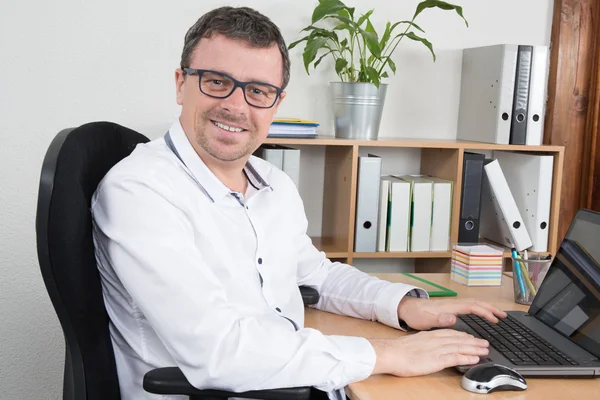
(75, 162)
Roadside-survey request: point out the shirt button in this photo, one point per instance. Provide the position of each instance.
(260, 260)
(278, 309)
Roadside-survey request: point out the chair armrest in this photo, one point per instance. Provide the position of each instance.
(171, 381)
(310, 296)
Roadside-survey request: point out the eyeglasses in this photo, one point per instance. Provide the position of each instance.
(220, 85)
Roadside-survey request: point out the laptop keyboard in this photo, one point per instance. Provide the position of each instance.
(517, 342)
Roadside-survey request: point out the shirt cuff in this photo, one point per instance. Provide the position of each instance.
(386, 303)
(358, 357)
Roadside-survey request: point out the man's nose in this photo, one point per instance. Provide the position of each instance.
(235, 102)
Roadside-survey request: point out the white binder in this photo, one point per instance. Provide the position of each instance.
(420, 230)
(291, 164)
(501, 219)
(441, 211)
(271, 154)
(397, 210)
(486, 94)
(367, 204)
(529, 177)
(537, 95)
(382, 221)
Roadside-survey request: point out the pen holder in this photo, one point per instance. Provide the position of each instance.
(527, 278)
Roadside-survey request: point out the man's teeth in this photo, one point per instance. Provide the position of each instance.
(227, 128)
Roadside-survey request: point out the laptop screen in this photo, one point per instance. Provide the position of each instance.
(569, 298)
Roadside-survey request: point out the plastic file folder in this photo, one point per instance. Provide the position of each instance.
(432, 289)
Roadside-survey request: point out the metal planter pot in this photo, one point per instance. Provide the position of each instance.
(357, 109)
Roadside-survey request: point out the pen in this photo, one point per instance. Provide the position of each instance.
(518, 272)
(526, 275)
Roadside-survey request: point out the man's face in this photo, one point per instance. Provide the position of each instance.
(204, 117)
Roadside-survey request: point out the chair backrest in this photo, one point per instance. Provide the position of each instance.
(75, 162)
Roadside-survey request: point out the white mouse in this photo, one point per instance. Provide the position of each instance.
(488, 378)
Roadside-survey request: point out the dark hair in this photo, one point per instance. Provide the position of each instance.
(241, 23)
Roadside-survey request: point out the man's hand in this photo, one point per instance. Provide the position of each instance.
(427, 352)
(423, 314)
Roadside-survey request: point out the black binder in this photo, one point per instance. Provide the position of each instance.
(470, 201)
(518, 124)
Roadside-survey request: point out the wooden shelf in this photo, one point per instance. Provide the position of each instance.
(331, 247)
(403, 254)
(412, 143)
(438, 157)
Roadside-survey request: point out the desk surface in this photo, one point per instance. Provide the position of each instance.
(444, 384)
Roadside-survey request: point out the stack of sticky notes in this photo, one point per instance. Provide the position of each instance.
(478, 265)
(293, 128)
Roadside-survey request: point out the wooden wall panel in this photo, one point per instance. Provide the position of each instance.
(572, 60)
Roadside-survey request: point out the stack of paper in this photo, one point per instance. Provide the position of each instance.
(293, 128)
(479, 265)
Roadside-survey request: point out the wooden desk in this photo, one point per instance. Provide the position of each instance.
(444, 384)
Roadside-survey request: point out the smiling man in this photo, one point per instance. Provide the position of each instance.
(201, 247)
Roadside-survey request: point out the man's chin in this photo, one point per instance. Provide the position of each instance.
(228, 156)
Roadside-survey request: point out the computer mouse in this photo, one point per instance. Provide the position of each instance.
(490, 377)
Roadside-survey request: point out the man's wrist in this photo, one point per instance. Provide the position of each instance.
(382, 350)
(402, 307)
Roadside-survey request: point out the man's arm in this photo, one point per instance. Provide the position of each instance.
(344, 289)
(149, 242)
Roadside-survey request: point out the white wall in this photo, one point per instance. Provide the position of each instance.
(64, 63)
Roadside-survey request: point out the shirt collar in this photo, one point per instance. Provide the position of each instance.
(211, 185)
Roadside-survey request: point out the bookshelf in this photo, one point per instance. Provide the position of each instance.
(442, 158)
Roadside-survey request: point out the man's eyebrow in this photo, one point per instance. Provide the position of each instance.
(260, 80)
(253, 79)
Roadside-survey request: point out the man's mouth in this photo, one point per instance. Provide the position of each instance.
(227, 127)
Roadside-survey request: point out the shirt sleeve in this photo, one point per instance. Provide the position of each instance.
(345, 290)
(149, 242)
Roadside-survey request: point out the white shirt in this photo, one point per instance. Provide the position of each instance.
(197, 276)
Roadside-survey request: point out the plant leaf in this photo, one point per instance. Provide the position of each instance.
(439, 4)
(385, 74)
(313, 45)
(371, 38)
(341, 18)
(385, 37)
(411, 35)
(340, 64)
(321, 58)
(392, 65)
(341, 26)
(326, 7)
(344, 43)
(364, 17)
(292, 45)
(406, 22)
(321, 32)
(373, 75)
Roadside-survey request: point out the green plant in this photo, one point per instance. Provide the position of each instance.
(362, 56)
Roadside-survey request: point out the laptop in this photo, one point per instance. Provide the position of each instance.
(559, 336)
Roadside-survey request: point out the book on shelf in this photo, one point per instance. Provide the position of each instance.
(293, 128)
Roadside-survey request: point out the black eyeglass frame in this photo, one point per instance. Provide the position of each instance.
(236, 84)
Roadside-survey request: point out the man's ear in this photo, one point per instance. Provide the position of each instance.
(279, 100)
(179, 85)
